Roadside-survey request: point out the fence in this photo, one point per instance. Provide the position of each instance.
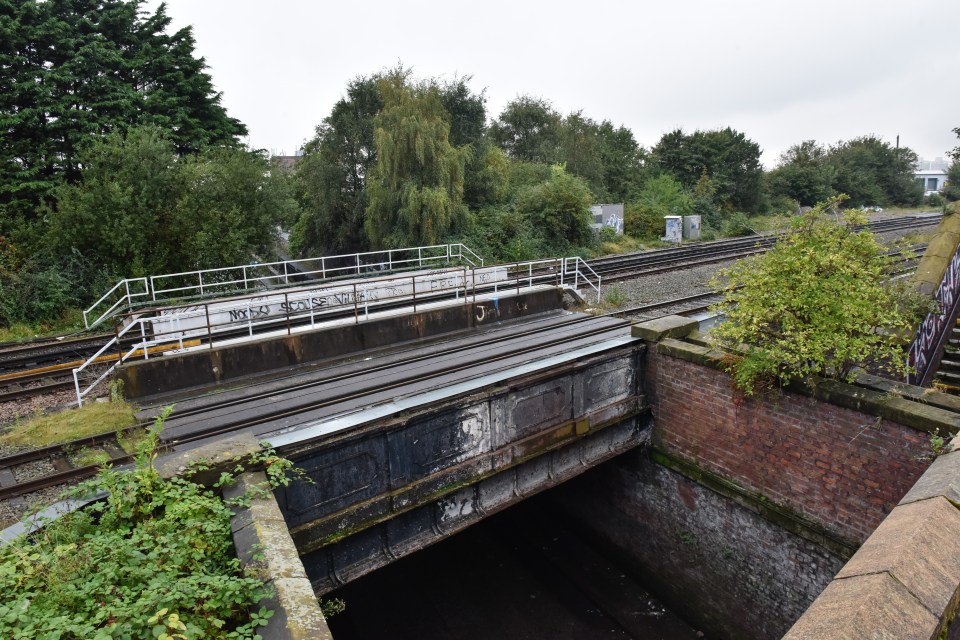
(936, 327)
(132, 292)
(344, 301)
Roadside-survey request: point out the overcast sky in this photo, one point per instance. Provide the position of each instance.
(780, 71)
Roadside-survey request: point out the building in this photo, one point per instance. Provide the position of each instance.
(933, 175)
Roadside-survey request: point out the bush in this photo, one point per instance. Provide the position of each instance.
(815, 304)
(737, 224)
(156, 557)
(934, 200)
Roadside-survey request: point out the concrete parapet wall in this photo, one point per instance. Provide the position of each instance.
(223, 364)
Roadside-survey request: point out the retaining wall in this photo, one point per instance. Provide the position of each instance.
(747, 507)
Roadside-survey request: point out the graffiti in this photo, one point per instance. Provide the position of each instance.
(931, 331)
(615, 223)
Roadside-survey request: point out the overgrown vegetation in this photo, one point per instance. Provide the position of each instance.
(93, 418)
(818, 303)
(153, 560)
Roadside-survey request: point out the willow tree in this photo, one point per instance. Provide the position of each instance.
(416, 187)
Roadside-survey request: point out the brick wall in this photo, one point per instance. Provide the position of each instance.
(721, 566)
(841, 468)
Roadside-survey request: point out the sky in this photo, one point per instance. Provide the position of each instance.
(780, 71)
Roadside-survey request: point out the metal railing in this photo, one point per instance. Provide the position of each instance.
(304, 308)
(258, 276)
(577, 269)
(935, 330)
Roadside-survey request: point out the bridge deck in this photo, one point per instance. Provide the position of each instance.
(321, 392)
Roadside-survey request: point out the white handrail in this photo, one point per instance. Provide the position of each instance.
(221, 279)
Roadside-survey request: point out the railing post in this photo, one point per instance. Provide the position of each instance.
(323, 268)
(206, 311)
(286, 306)
(245, 286)
(473, 283)
(356, 311)
(200, 274)
(76, 386)
(413, 280)
(286, 279)
(153, 290)
(143, 340)
(116, 336)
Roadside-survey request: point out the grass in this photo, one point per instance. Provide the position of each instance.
(70, 322)
(91, 419)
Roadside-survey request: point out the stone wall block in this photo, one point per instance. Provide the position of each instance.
(918, 545)
(941, 479)
(870, 606)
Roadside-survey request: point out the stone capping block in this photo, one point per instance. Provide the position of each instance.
(870, 606)
(918, 545)
(917, 415)
(941, 479)
(261, 531)
(216, 453)
(665, 327)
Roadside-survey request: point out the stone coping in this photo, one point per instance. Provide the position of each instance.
(263, 542)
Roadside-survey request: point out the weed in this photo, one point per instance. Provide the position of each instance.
(94, 418)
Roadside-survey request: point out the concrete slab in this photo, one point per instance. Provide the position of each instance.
(665, 327)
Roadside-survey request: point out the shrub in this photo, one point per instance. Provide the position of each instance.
(815, 304)
(156, 557)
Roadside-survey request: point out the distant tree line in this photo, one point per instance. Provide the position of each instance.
(118, 160)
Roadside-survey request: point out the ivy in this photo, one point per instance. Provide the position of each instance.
(155, 559)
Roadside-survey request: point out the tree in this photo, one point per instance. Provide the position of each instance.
(559, 209)
(622, 160)
(803, 173)
(416, 187)
(872, 172)
(729, 157)
(75, 69)
(815, 304)
(661, 196)
(528, 129)
(140, 209)
(332, 175)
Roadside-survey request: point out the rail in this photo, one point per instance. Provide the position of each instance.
(935, 330)
(281, 311)
(259, 276)
(578, 269)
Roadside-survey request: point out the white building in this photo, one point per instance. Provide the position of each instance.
(933, 174)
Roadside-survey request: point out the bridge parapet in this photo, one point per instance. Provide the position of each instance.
(397, 484)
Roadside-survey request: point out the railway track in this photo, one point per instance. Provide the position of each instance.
(38, 368)
(628, 266)
(239, 408)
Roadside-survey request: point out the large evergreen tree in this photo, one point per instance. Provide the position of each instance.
(74, 69)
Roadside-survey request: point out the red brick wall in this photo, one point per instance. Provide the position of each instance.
(838, 467)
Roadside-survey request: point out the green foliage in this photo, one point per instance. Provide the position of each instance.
(331, 176)
(816, 304)
(416, 187)
(871, 172)
(528, 129)
(77, 70)
(154, 559)
(140, 209)
(730, 159)
(803, 174)
(661, 196)
(559, 209)
(952, 191)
